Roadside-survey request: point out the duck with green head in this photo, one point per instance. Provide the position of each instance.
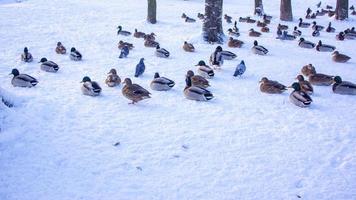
(89, 87)
(298, 97)
(22, 80)
(343, 87)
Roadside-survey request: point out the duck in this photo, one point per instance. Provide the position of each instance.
(340, 36)
(242, 19)
(113, 79)
(316, 33)
(201, 16)
(297, 32)
(204, 70)
(134, 92)
(340, 58)
(271, 87)
(26, 56)
(313, 16)
(233, 33)
(151, 43)
(320, 79)
(227, 55)
(89, 87)
(254, 33)
(305, 86)
(60, 49)
(265, 29)
(188, 19)
(188, 47)
(48, 66)
(331, 13)
(235, 29)
(299, 97)
(193, 92)
(240, 69)
(317, 27)
(308, 70)
(124, 52)
(343, 87)
(228, 19)
(122, 32)
(353, 12)
(320, 13)
(75, 55)
(330, 29)
(161, 52)
(161, 83)
(282, 27)
(349, 35)
(259, 50)
(303, 24)
(309, 11)
(286, 36)
(216, 59)
(329, 7)
(138, 34)
(22, 80)
(151, 36)
(279, 33)
(261, 24)
(324, 47)
(250, 21)
(197, 80)
(234, 43)
(306, 44)
(122, 44)
(140, 68)
(267, 17)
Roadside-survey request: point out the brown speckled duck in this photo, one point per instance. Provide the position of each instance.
(138, 34)
(151, 43)
(265, 29)
(188, 47)
(340, 58)
(134, 92)
(254, 33)
(197, 80)
(113, 79)
(122, 44)
(305, 86)
(271, 87)
(308, 70)
(60, 49)
(234, 43)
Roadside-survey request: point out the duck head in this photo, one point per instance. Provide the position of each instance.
(15, 72)
(119, 28)
(25, 50)
(59, 44)
(314, 22)
(72, 49)
(128, 81)
(300, 78)
(218, 49)
(337, 79)
(201, 63)
(112, 71)
(301, 40)
(156, 75)
(295, 86)
(255, 43)
(263, 80)
(43, 60)
(86, 79)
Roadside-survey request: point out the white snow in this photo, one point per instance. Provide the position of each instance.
(59, 144)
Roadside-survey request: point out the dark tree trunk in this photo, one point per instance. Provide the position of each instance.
(151, 11)
(258, 7)
(212, 26)
(286, 10)
(342, 9)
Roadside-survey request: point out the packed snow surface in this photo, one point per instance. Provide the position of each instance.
(59, 144)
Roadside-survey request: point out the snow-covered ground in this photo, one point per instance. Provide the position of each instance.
(58, 144)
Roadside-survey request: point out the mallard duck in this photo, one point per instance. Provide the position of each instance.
(196, 93)
(122, 32)
(307, 70)
(250, 21)
(227, 55)
(200, 16)
(259, 50)
(317, 27)
(271, 87)
(113, 79)
(261, 24)
(305, 86)
(286, 36)
(188, 47)
(134, 92)
(267, 17)
(26, 56)
(329, 7)
(138, 34)
(233, 33)
(235, 29)
(228, 18)
(343, 87)
(75, 55)
(22, 80)
(340, 36)
(303, 24)
(313, 16)
(60, 49)
(265, 29)
(216, 59)
(316, 33)
(324, 47)
(122, 44)
(90, 88)
(161, 83)
(243, 19)
(320, 79)
(299, 97)
(151, 43)
(297, 32)
(161, 52)
(254, 33)
(306, 44)
(151, 36)
(48, 66)
(309, 11)
(282, 27)
(240, 69)
(349, 35)
(234, 43)
(140, 68)
(331, 13)
(197, 80)
(330, 29)
(204, 70)
(188, 19)
(279, 33)
(320, 13)
(340, 58)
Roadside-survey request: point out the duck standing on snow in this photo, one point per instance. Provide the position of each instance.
(330, 29)
(124, 52)
(48, 66)
(26, 56)
(205, 70)
(151, 36)
(340, 58)
(197, 80)
(303, 24)
(258, 49)
(343, 87)
(161, 83)
(299, 97)
(134, 92)
(216, 59)
(122, 32)
(113, 79)
(254, 33)
(297, 32)
(234, 43)
(324, 47)
(22, 80)
(138, 34)
(188, 47)
(60, 49)
(240, 69)
(305, 86)
(196, 93)
(140, 68)
(123, 44)
(75, 55)
(306, 44)
(271, 87)
(90, 88)
(161, 52)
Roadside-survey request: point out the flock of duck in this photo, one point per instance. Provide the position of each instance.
(197, 84)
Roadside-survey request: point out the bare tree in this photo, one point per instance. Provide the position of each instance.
(212, 26)
(286, 10)
(342, 9)
(152, 11)
(258, 7)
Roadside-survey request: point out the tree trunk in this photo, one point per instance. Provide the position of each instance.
(342, 9)
(212, 26)
(151, 11)
(286, 10)
(258, 7)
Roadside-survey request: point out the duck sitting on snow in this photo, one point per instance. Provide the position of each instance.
(254, 33)
(48, 66)
(122, 44)
(90, 88)
(193, 92)
(22, 80)
(204, 70)
(271, 87)
(258, 49)
(282, 27)
(161, 52)
(113, 79)
(320, 79)
(306, 44)
(234, 43)
(343, 87)
(227, 55)
(151, 43)
(286, 36)
(134, 92)
(60, 49)
(233, 33)
(151, 36)
(340, 36)
(316, 33)
(188, 47)
(299, 97)
(324, 47)
(122, 32)
(308, 70)
(305, 86)
(330, 29)
(216, 59)
(297, 32)
(197, 80)
(161, 83)
(138, 34)
(340, 58)
(317, 27)
(26, 56)
(228, 18)
(265, 29)
(75, 55)
(188, 19)
(261, 24)
(303, 24)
